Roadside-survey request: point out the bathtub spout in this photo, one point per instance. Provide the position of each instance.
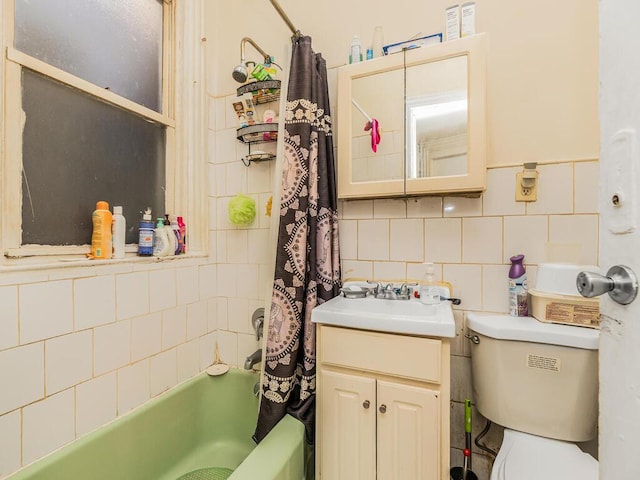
(255, 357)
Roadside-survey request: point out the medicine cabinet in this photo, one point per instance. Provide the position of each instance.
(430, 105)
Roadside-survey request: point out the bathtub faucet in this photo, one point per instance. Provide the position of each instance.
(251, 360)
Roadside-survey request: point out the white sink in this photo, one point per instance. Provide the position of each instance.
(395, 316)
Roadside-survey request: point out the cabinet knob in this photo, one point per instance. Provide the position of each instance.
(383, 408)
(366, 404)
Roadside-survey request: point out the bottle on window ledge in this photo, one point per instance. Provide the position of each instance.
(101, 238)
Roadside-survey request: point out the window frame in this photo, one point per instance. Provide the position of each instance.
(185, 147)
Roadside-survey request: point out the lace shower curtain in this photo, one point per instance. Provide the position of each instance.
(307, 269)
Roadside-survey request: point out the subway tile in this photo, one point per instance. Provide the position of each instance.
(587, 178)
(495, 288)
(406, 240)
(46, 310)
(228, 347)
(373, 240)
(466, 281)
(527, 235)
(162, 289)
(417, 271)
(57, 413)
(207, 345)
(462, 207)
(258, 177)
(239, 319)
(580, 230)
(258, 246)
(196, 319)
(555, 190)
(212, 315)
(227, 280)
(133, 386)
(163, 372)
(174, 326)
(221, 246)
(348, 237)
(146, 336)
(247, 344)
(94, 301)
(389, 271)
(188, 359)
(8, 319)
(225, 146)
(443, 240)
(222, 309)
(111, 347)
(26, 384)
(222, 214)
(424, 207)
(248, 280)
(482, 240)
(68, 360)
(235, 179)
(357, 270)
(500, 195)
(207, 277)
(357, 209)
(389, 208)
(237, 245)
(132, 290)
(11, 441)
(95, 403)
(187, 285)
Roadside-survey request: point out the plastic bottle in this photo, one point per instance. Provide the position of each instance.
(518, 303)
(429, 290)
(161, 245)
(101, 236)
(183, 233)
(118, 232)
(145, 238)
(176, 231)
(355, 52)
(377, 42)
(173, 241)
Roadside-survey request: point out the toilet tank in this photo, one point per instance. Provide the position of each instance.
(535, 377)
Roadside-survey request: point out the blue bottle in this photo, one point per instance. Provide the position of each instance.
(145, 239)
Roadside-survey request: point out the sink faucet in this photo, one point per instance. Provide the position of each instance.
(254, 358)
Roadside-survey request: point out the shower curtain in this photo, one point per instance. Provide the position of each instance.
(307, 271)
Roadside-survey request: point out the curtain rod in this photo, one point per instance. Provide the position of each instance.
(294, 30)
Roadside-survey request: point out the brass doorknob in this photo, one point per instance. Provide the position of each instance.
(383, 408)
(366, 404)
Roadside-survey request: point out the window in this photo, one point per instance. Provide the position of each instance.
(90, 87)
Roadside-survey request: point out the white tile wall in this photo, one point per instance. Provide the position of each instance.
(162, 290)
(91, 310)
(443, 240)
(133, 386)
(47, 425)
(111, 347)
(187, 285)
(406, 240)
(11, 440)
(9, 318)
(482, 240)
(68, 360)
(132, 293)
(95, 403)
(163, 371)
(146, 336)
(46, 310)
(174, 327)
(373, 239)
(23, 385)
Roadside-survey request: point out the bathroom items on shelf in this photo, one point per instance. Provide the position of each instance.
(101, 240)
(355, 50)
(555, 298)
(412, 43)
(518, 301)
(118, 232)
(145, 236)
(429, 289)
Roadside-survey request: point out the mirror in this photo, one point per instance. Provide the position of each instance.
(436, 118)
(429, 103)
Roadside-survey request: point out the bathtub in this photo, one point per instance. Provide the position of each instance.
(202, 423)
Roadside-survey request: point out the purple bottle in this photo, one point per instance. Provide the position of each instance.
(518, 302)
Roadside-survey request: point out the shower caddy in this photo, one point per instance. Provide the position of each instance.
(263, 92)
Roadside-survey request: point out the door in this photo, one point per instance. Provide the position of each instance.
(619, 236)
(408, 432)
(347, 421)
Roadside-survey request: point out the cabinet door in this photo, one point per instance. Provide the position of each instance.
(408, 432)
(347, 413)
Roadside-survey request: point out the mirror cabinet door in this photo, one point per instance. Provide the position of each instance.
(437, 118)
(378, 97)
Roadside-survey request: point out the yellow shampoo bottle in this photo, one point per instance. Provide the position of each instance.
(101, 245)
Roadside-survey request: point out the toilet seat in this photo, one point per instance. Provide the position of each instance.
(528, 457)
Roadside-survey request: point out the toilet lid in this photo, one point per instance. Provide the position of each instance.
(538, 458)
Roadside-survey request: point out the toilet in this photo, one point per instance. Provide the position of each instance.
(539, 381)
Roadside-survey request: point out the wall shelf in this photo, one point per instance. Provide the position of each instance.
(258, 133)
(263, 92)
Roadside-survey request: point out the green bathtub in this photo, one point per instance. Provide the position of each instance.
(203, 423)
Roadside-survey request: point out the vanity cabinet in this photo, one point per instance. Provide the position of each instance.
(430, 104)
(382, 408)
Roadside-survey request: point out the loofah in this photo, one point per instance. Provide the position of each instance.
(242, 210)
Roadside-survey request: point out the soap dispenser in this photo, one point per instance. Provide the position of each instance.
(429, 290)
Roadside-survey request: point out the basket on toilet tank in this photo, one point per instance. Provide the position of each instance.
(556, 299)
